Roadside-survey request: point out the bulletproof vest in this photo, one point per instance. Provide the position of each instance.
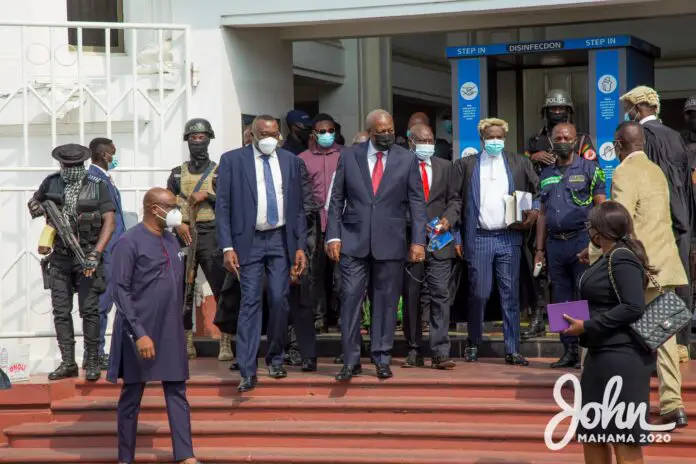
(88, 223)
(188, 183)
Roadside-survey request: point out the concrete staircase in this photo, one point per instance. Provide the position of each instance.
(487, 413)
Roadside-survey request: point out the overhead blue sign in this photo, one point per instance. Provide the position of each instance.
(607, 109)
(592, 43)
(469, 107)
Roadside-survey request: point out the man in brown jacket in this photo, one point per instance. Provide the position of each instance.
(640, 186)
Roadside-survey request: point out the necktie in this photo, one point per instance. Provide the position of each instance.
(424, 176)
(271, 200)
(377, 172)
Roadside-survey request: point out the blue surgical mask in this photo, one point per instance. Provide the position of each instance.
(326, 140)
(448, 126)
(408, 134)
(424, 151)
(114, 162)
(627, 117)
(494, 146)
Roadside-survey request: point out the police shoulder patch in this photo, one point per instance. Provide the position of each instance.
(590, 155)
(576, 178)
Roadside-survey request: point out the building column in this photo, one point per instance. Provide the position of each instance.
(367, 84)
(257, 78)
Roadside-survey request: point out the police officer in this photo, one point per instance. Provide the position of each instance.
(193, 183)
(557, 108)
(85, 203)
(569, 189)
(689, 133)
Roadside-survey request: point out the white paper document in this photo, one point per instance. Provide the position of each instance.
(515, 205)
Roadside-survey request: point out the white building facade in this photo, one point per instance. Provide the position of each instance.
(170, 60)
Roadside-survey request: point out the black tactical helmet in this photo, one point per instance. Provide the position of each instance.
(197, 126)
(557, 97)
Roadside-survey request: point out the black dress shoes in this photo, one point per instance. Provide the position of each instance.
(413, 360)
(678, 417)
(247, 384)
(384, 371)
(277, 371)
(347, 373)
(309, 365)
(443, 363)
(516, 359)
(338, 359)
(471, 354)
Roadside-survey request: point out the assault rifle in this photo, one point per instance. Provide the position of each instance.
(191, 262)
(64, 230)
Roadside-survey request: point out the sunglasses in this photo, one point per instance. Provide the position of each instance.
(325, 131)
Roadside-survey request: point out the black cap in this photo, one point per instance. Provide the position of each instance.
(71, 154)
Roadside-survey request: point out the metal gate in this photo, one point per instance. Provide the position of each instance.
(55, 89)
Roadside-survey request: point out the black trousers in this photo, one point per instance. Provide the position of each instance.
(303, 335)
(325, 277)
(67, 278)
(436, 274)
(684, 246)
(210, 259)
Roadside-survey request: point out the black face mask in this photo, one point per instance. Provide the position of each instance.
(595, 240)
(557, 118)
(563, 150)
(303, 134)
(384, 142)
(199, 150)
(691, 123)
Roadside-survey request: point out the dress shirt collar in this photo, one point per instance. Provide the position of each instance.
(427, 161)
(258, 154)
(106, 173)
(652, 117)
(485, 155)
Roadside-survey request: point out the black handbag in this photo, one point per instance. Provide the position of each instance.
(663, 317)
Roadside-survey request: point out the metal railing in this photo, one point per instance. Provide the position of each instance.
(85, 68)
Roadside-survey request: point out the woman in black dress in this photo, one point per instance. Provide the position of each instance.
(613, 348)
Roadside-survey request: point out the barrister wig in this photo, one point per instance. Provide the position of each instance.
(484, 124)
(642, 95)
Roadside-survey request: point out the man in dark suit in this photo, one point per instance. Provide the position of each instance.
(103, 160)
(262, 229)
(491, 249)
(375, 184)
(441, 191)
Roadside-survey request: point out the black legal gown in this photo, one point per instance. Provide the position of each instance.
(147, 271)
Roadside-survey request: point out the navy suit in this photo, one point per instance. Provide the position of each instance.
(269, 252)
(493, 253)
(372, 230)
(106, 300)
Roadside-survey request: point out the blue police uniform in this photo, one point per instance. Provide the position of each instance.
(566, 198)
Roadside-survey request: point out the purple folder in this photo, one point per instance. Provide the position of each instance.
(575, 309)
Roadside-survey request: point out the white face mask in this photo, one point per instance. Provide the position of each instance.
(267, 145)
(424, 151)
(173, 217)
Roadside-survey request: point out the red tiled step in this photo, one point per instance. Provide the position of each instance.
(372, 409)
(353, 455)
(403, 409)
(318, 434)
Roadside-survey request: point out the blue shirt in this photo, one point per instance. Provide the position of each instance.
(566, 198)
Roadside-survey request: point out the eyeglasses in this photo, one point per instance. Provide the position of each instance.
(325, 131)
